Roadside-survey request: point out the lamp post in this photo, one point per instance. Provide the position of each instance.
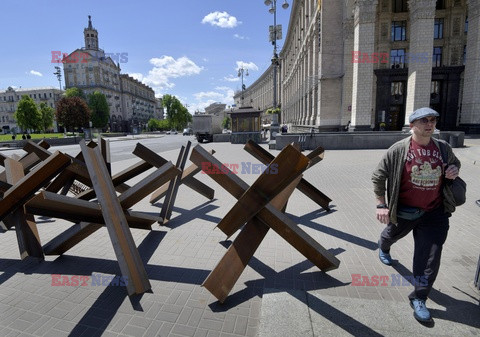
(275, 34)
(58, 73)
(241, 71)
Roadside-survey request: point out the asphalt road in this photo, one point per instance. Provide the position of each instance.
(121, 148)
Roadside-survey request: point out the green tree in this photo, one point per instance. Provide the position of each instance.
(153, 124)
(156, 124)
(27, 114)
(74, 92)
(100, 112)
(72, 112)
(226, 123)
(48, 115)
(177, 114)
(164, 124)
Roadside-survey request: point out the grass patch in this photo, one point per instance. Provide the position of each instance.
(8, 137)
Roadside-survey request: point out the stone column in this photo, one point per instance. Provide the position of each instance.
(346, 114)
(422, 20)
(471, 87)
(330, 64)
(364, 42)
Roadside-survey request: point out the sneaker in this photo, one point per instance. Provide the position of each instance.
(385, 258)
(420, 311)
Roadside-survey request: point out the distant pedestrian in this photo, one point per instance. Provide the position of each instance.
(413, 172)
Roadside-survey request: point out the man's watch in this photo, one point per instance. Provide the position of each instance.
(382, 206)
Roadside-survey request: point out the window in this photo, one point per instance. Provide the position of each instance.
(438, 29)
(437, 57)
(399, 6)
(397, 58)
(466, 24)
(399, 30)
(440, 4)
(397, 89)
(35, 96)
(434, 89)
(50, 95)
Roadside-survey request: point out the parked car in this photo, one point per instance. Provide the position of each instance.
(172, 132)
(187, 131)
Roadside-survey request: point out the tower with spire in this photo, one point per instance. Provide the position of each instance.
(91, 36)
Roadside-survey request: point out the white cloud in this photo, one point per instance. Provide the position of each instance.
(231, 78)
(137, 76)
(246, 65)
(205, 98)
(221, 19)
(210, 94)
(36, 73)
(240, 37)
(165, 68)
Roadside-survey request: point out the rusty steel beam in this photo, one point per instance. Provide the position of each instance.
(187, 178)
(71, 237)
(129, 260)
(304, 186)
(174, 184)
(25, 227)
(226, 273)
(288, 165)
(76, 210)
(274, 218)
(26, 187)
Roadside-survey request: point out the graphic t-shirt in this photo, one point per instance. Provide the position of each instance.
(422, 177)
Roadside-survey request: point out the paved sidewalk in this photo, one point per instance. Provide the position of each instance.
(279, 290)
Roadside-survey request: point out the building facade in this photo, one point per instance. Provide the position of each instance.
(368, 64)
(9, 101)
(89, 68)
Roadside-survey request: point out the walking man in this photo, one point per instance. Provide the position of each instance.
(411, 174)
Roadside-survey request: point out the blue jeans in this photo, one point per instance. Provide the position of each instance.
(429, 234)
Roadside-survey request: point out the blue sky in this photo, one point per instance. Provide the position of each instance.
(187, 48)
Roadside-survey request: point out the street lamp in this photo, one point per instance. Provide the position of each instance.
(58, 73)
(241, 71)
(275, 34)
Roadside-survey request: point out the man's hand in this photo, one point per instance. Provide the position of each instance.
(382, 215)
(451, 172)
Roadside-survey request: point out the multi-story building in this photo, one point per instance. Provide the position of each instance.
(216, 108)
(371, 63)
(9, 101)
(91, 69)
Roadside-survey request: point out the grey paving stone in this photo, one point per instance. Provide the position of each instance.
(183, 330)
(180, 256)
(132, 330)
